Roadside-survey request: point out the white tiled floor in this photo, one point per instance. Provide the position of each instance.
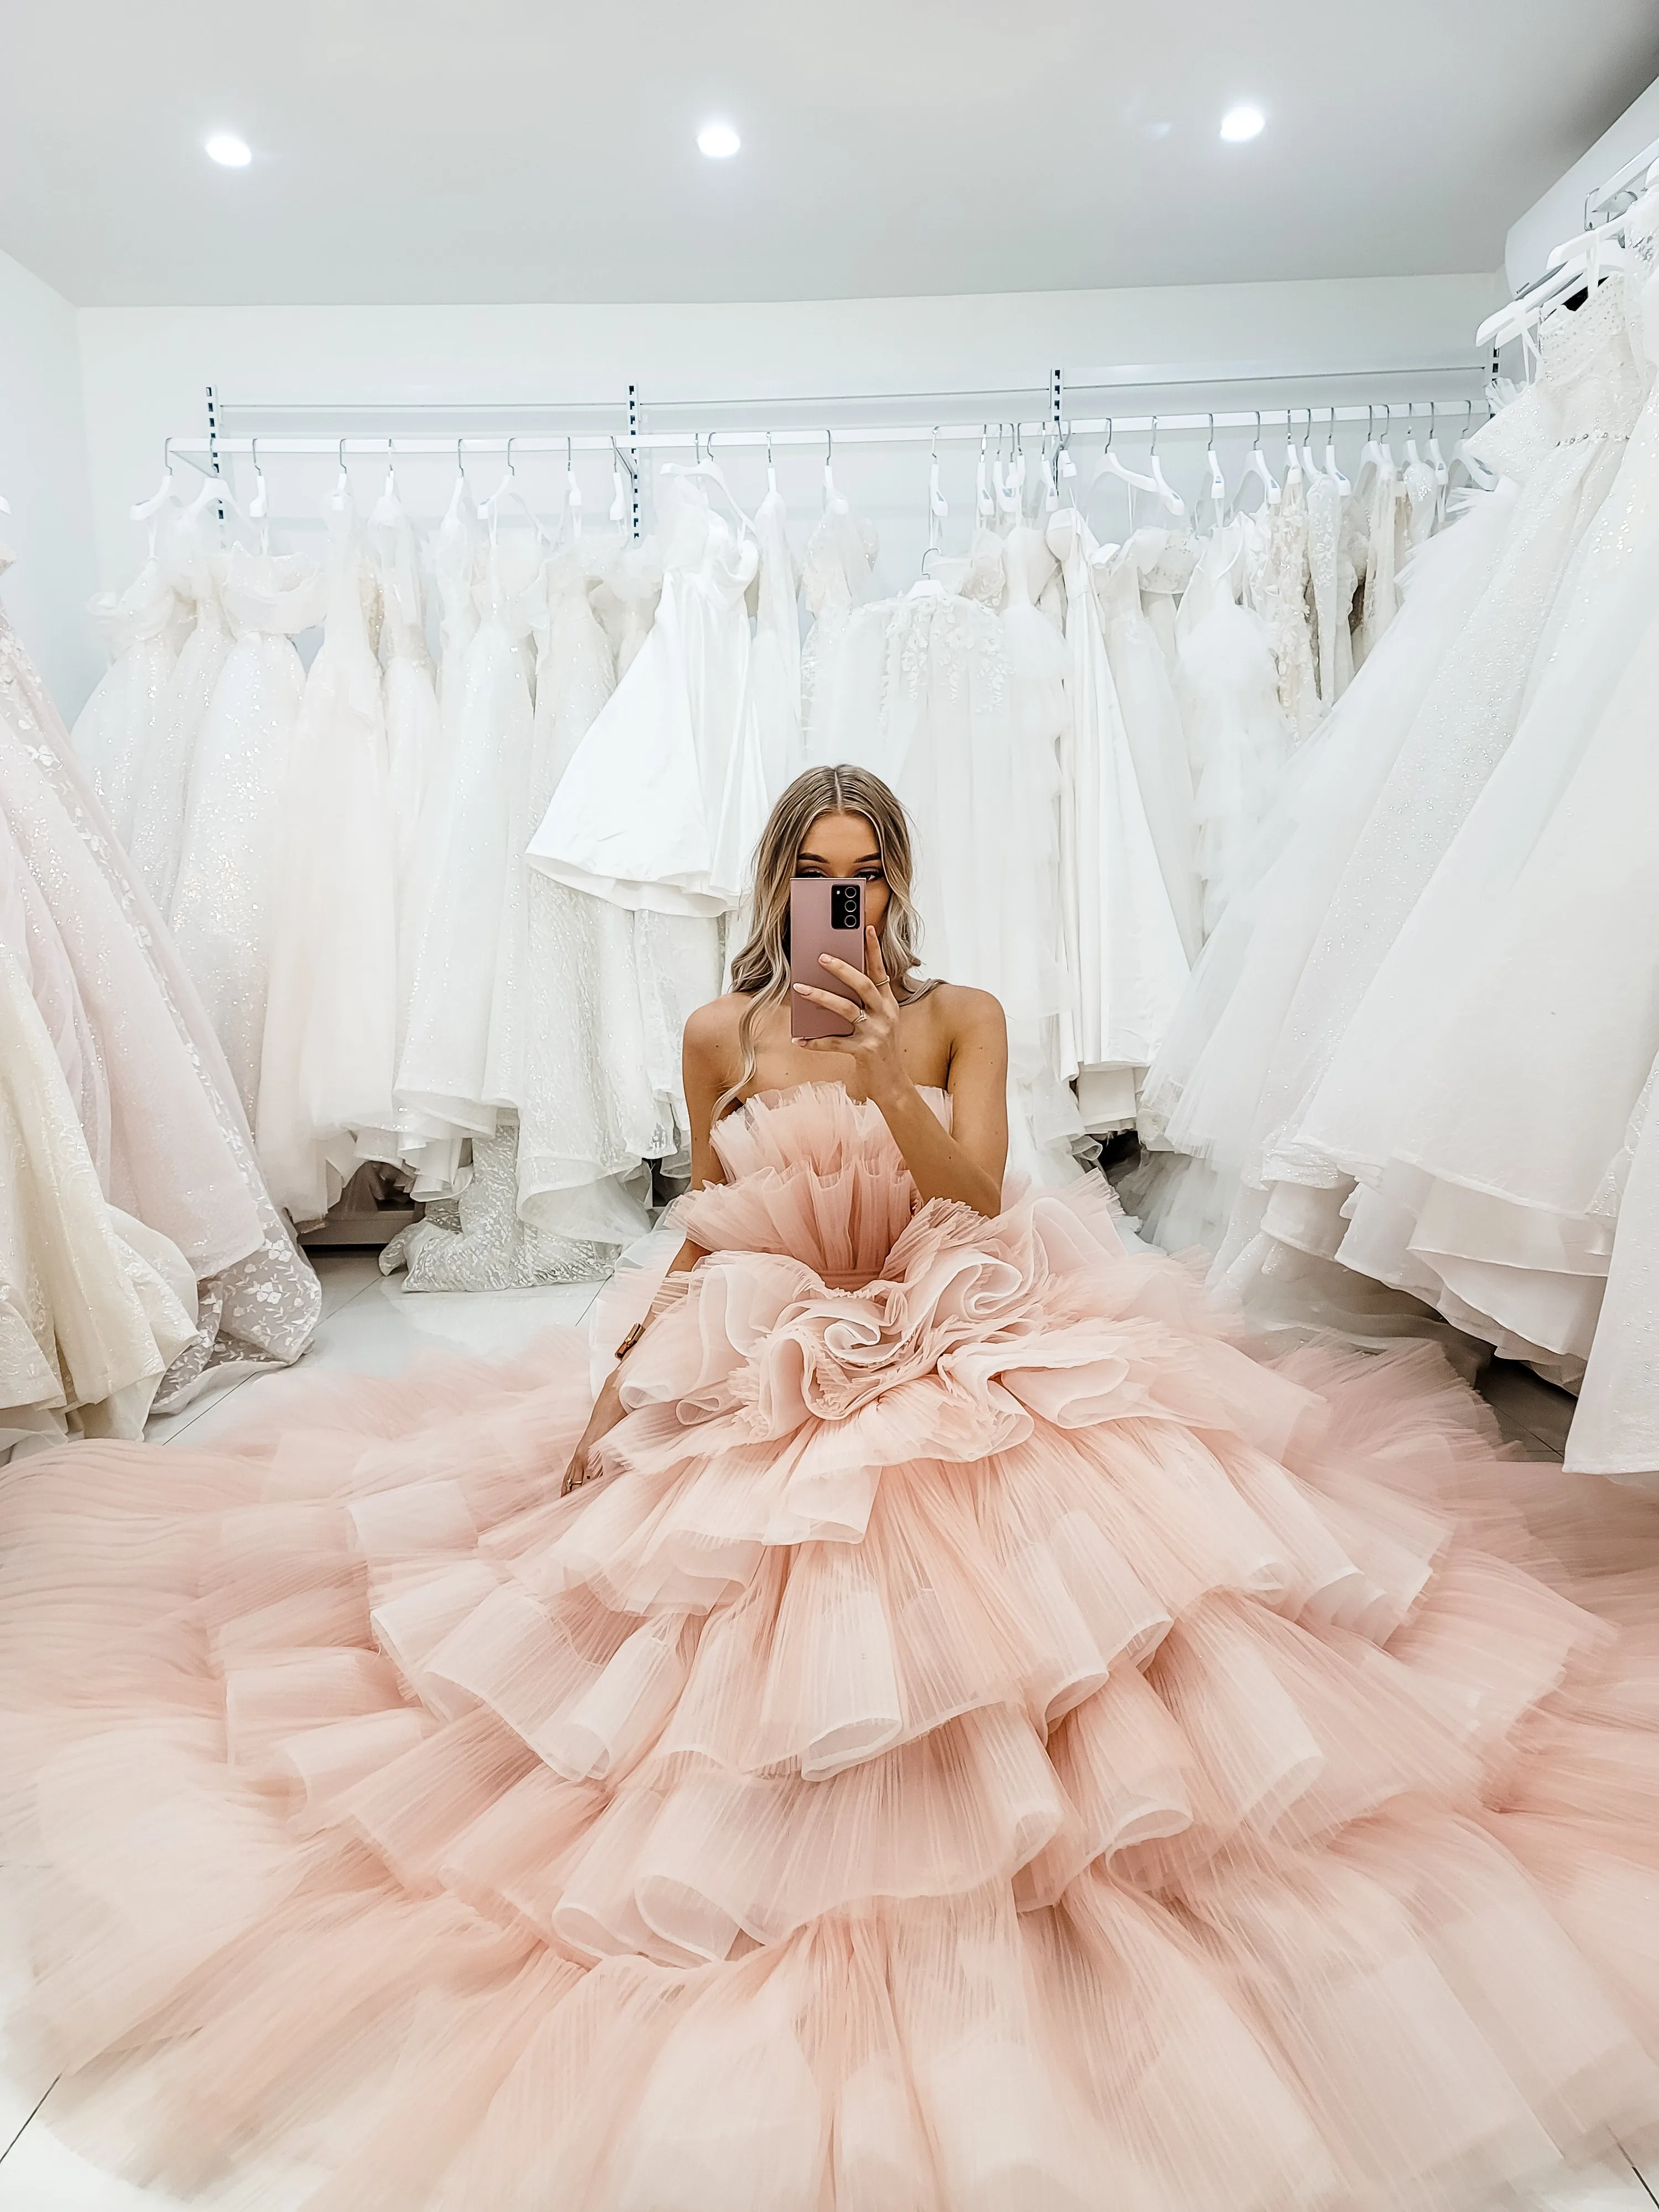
(371, 1326)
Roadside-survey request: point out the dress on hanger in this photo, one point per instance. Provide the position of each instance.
(329, 1055)
(837, 579)
(222, 903)
(682, 725)
(1589, 396)
(170, 1144)
(1237, 739)
(1287, 596)
(1157, 740)
(567, 1045)
(442, 1076)
(774, 675)
(985, 1742)
(1333, 581)
(89, 1324)
(1200, 1096)
(1598, 631)
(117, 732)
(1122, 943)
(159, 806)
(416, 762)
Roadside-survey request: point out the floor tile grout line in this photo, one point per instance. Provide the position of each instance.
(1637, 2172)
(18, 2137)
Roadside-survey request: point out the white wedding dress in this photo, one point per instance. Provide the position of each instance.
(158, 813)
(1237, 739)
(416, 764)
(117, 732)
(1410, 1022)
(1589, 393)
(1157, 739)
(90, 1323)
(1123, 945)
(157, 1105)
(1615, 1430)
(223, 901)
(567, 1046)
(664, 801)
(1201, 1094)
(328, 1054)
(440, 1080)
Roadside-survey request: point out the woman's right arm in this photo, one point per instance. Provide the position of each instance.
(705, 1059)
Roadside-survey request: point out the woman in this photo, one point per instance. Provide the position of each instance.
(971, 1736)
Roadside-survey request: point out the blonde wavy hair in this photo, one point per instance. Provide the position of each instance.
(761, 969)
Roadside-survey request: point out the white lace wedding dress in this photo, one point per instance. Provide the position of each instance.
(1237, 740)
(222, 903)
(158, 812)
(117, 731)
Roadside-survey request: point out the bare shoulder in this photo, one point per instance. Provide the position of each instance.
(966, 1014)
(711, 1033)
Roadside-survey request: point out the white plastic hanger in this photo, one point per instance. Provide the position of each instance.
(618, 493)
(142, 510)
(984, 508)
(1007, 483)
(1256, 467)
(1111, 466)
(1050, 476)
(709, 470)
(507, 489)
(573, 490)
(1293, 462)
(938, 506)
(1165, 490)
(340, 498)
(1332, 470)
(1217, 481)
(1065, 471)
(258, 508)
(1580, 264)
(1371, 455)
(833, 501)
(1310, 465)
(1476, 468)
(771, 469)
(1437, 459)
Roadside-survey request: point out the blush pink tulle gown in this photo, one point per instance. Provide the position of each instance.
(990, 1744)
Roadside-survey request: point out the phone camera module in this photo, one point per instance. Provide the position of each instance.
(844, 907)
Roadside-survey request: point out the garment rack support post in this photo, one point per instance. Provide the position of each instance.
(213, 446)
(634, 456)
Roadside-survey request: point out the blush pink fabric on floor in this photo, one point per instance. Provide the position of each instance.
(988, 1744)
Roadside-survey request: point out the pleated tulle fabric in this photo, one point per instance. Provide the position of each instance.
(989, 1739)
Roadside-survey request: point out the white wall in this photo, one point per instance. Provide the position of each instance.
(145, 371)
(44, 474)
(1559, 212)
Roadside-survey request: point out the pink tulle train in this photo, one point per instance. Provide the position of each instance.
(990, 1744)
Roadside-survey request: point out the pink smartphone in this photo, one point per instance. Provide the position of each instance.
(826, 914)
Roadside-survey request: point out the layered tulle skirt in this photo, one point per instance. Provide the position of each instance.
(987, 1742)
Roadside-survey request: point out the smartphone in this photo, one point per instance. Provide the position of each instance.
(826, 914)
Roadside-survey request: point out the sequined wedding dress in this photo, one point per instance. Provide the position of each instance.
(989, 1740)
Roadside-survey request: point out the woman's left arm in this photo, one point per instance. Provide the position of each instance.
(966, 1161)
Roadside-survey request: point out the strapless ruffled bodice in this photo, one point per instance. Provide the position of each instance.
(813, 1173)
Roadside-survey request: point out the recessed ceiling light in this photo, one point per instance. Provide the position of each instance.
(1241, 123)
(228, 151)
(719, 141)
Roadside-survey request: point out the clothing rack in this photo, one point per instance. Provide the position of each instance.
(630, 441)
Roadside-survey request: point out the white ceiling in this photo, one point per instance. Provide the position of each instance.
(455, 150)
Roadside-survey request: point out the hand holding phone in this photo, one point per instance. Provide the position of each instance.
(826, 914)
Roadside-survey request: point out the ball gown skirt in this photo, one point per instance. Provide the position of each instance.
(988, 1743)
